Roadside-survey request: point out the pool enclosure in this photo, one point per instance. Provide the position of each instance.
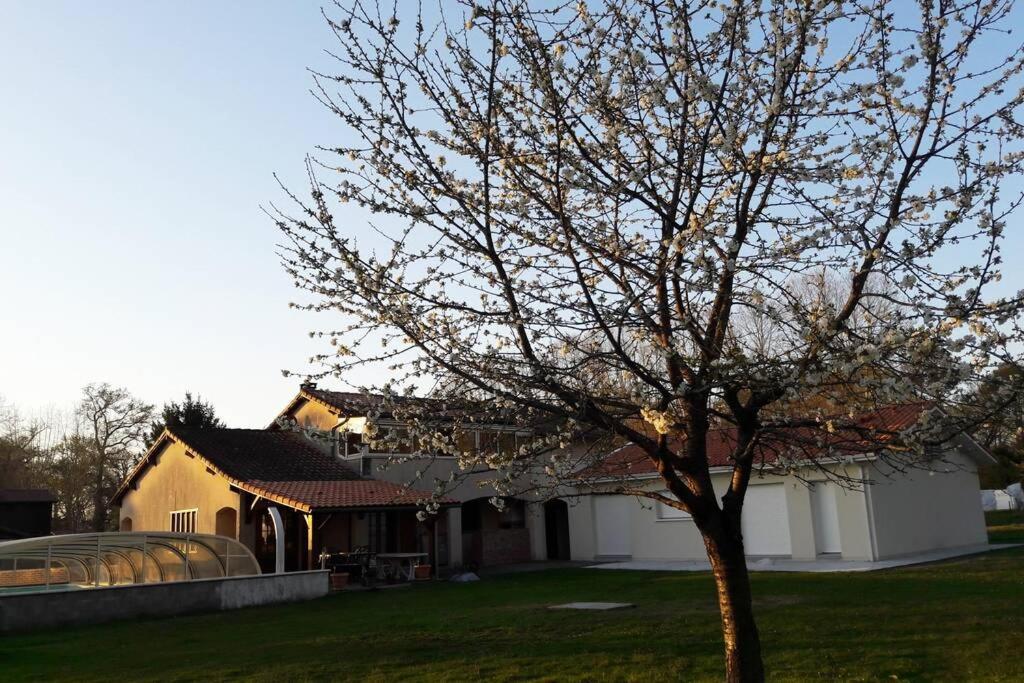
(117, 559)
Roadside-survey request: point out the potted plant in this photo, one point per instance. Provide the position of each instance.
(339, 580)
(422, 572)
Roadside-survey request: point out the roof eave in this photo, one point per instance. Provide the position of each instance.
(975, 450)
(378, 508)
(309, 508)
(725, 469)
(141, 465)
(302, 397)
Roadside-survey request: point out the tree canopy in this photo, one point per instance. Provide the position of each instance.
(605, 215)
(191, 412)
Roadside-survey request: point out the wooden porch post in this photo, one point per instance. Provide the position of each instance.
(309, 540)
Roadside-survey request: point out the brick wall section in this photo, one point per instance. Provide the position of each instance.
(32, 577)
(504, 546)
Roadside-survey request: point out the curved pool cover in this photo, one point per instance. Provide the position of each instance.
(119, 558)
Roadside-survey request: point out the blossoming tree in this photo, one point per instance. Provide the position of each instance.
(603, 215)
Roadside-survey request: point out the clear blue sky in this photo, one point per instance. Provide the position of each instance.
(137, 143)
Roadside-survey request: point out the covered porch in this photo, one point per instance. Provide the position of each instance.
(321, 520)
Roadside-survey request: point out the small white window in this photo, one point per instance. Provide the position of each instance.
(184, 521)
(667, 511)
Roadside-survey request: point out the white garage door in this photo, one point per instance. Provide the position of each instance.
(766, 521)
(611, 518)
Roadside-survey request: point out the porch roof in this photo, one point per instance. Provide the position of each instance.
(310, 496)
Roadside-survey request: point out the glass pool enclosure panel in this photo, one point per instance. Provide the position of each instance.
(119, 559)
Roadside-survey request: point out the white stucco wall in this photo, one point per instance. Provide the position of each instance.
(925, 510)
(581, 528)
(652, 538)
(891, 514)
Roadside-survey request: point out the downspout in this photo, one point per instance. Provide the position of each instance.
(336, 443)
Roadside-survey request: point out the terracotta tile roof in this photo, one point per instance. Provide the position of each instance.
(865, 434)
(248, 454)
(348, 401)
(284, 467)
(355, 403)
(351, 403)
(366, 493)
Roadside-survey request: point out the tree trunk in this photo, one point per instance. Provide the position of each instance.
(99, 512)
(742, 643)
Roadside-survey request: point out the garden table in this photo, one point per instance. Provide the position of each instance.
(404, 562)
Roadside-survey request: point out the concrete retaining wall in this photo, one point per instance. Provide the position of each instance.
(26, 611)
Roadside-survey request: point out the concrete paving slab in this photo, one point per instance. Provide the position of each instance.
(594, 606)
(823, 564)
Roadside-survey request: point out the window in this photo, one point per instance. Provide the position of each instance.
(184, 521)
(351, 444)
(487, 442)
(667, 512)
(513, 516)
(465, 441)
(379, 532)
(501, 441)
(392, 440)
(507, 443)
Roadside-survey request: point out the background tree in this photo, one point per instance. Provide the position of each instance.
(114, 424)
(192, 412)
(20, 448)
(600, 190)
(69, 473)
(1001, 394)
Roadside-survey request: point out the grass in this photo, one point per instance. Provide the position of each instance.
(1005, 526)
(959, 620)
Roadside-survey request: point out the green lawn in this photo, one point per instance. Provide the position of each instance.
(960, 620)
(1005, 526)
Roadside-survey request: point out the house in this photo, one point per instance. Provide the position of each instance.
(325, 488)
(255, 484)
(25, 513)
(329, 492)
(999, 499)
(854, 506)
(477, 534)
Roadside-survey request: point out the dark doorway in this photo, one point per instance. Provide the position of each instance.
(556, 529)
(265, 546)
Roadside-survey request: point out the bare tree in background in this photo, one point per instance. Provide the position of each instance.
(20, 448)
(114, 424)
(578, 203)
(69, 474)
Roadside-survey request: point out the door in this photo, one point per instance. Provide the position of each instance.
(825, 514)
(765, 521)
(611, 518)
(556, 529)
